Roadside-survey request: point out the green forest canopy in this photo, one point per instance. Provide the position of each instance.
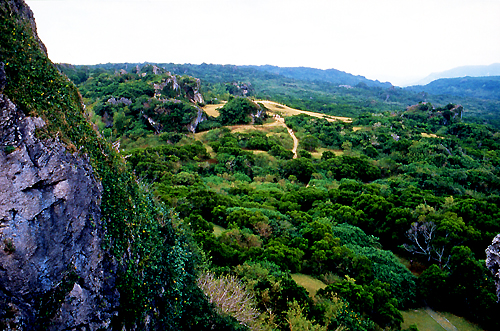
(345, 215)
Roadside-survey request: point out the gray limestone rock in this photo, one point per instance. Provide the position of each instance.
(54, 273)
(3, 79)
(493, 261)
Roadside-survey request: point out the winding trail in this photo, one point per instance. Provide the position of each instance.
(281, 120)
(278, 110)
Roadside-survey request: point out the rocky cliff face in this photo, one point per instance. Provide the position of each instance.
(83, 246)
(493, 261)
(24, 13)
(54, 273)
(53, 270)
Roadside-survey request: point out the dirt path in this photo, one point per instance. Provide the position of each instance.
(275, 107)
(445, 324)
(281, 121)
(287, 111)
(278, 121)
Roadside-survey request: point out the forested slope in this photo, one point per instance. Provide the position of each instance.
(485, 88)
(392, 211)
(321, 94)
(117, 261)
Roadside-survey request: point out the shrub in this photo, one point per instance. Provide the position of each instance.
(230, 297)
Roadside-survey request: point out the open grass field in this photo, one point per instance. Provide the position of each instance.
(430, 135)
(279, 132)
(321, 150)
(312, 285)
(287, 111)
(211, 110)
(277, 121)
(245, 128)
(421, 319)
(428, 320)
(283, 110)
(460, 323)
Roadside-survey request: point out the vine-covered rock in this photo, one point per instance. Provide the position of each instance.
(54, 273)
(82, 244)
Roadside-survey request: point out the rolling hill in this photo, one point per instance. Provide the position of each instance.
(484, 88)
(472, 71)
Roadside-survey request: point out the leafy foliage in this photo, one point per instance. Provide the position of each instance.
(392, 172)
(237, 111)
(156, 265)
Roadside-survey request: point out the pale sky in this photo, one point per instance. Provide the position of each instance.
(388, 40)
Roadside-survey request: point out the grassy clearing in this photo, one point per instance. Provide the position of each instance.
(430, 135)
(321, 150)
(421, 319)
(460, 323)
(247, 128)
(218, 230)
(312, 285)
(287, 111)
(279, 132)
(424, 321)
(258, 151)
(211, 110)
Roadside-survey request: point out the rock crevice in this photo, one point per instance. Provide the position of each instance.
(51, 255)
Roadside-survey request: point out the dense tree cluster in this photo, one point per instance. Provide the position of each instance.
(326, 93)
(270, 215)
(390, 210)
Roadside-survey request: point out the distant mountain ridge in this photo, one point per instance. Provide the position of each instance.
(484, 88)
(312, 74)
(471, 71)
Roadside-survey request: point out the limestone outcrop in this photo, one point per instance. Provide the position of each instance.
(493, 261)
(53, 271)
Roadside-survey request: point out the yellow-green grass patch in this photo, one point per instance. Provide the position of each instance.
(211, 110)
(430, 135)
(447, 321)
(218, 230)
(287, 111)
(277, 108)
(247, 128)
(312, 285)
(319, 152)
(257, 151)
(460, 323)
(421, 319)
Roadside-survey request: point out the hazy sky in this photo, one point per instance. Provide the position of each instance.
(388, 40)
